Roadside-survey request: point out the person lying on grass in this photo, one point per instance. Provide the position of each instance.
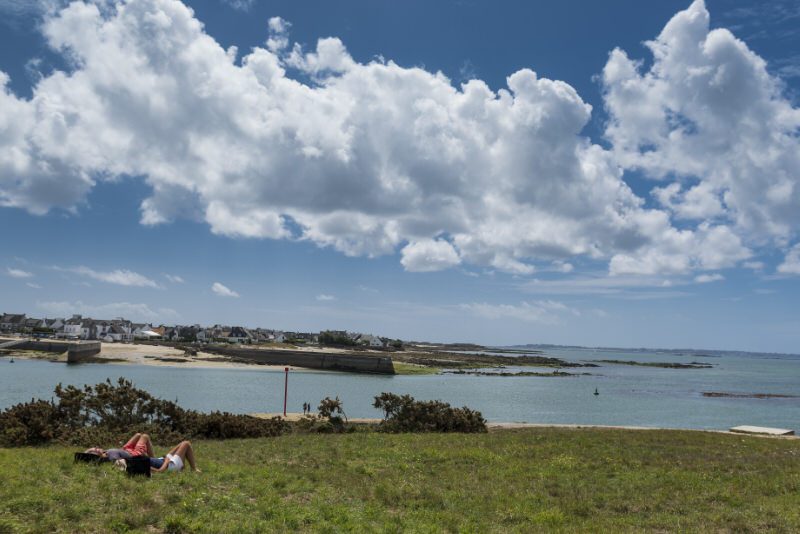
(138, 445)
(175, 459)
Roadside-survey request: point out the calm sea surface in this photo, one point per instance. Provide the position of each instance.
(641, 396)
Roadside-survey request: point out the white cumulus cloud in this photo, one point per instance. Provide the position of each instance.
(429, 255)
(368, 158)
(708, 111)
(223, 291)
(278, 34)
(791, 264)
(323, 297)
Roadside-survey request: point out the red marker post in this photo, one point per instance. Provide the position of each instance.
(285, 390)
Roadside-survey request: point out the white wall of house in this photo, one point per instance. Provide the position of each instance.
(73, 330)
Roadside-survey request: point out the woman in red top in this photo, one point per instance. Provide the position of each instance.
(139, 445)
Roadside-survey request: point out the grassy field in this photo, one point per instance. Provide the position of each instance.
(512, 480)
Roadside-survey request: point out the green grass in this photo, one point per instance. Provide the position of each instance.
(401, 368)
(531, 480)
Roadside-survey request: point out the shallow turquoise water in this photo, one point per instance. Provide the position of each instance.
(640, 396)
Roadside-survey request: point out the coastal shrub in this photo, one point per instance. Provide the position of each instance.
(119, 406)
(314, 424)
(329, 419)
(331, 409)
(110, 413)
(30, 423)
(335, 339)
(224, 425)
(404, 414)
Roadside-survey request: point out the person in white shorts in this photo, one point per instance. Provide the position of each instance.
(176, 458)
(175, 462)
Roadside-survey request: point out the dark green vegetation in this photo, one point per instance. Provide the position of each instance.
(665, 365)
(404, 414)
(464, 360)
(108, 413)
(112, 412)
(414, 369)
(531, 480)
(401, 414)
(517, 373)
(335, 339)
(749, 395)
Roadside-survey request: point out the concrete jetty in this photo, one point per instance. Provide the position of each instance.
(77, 351)
(6, 345)
(353, 363)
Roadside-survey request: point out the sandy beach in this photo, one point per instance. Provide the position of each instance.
(161, 356)
(166, 356)
(158, 356)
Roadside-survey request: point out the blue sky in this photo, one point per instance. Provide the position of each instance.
(346, 185)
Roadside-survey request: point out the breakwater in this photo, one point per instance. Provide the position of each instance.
(311, 360)
(77, 351)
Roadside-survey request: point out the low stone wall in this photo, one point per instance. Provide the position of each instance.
(77, 351)
(44, 346)
(312, 360)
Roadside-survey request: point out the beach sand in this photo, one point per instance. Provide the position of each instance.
(164, 356)
(158, 356)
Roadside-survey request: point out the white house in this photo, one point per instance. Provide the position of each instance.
(370, 340)
(73, 327)
(116, 333)
(238, 334)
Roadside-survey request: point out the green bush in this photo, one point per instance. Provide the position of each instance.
(30, 423)
(404, 414)
(333, 411)
(330, 419)
(332, 338)
(110, 413)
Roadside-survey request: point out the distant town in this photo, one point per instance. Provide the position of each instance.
(122, 330)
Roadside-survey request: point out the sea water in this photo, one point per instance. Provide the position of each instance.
(628, 395)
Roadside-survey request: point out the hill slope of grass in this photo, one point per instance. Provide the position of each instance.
(521, 480)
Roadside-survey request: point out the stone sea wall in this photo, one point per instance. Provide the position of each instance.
(312, 360)
(76, 350)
